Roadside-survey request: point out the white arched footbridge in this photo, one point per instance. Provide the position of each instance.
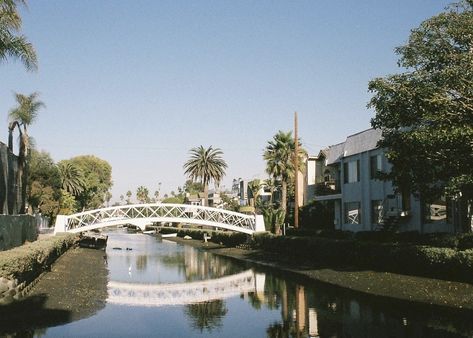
(141, 215)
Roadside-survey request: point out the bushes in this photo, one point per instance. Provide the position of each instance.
(445, 263)
(26, 262)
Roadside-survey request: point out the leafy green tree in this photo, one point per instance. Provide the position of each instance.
(425, 113)
(279, 157)
(229, 203)
(21, 116)
(72, 178)
(67, 203)
(44, 184)
(205, 165)
(97, 178)
(192, 187)
(142, 194)
(128, 197)
(12, 44)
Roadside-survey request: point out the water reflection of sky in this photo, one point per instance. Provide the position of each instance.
(150, 260)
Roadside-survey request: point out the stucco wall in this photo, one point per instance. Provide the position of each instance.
(16, 229)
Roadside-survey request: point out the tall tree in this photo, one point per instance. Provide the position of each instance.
(426, 112)
(21, 117)
(279, 157)
(13, 44)
(205, 165)
(72, 178)
(97, 178)
(128, 197)
(142, 194)
(44, 184)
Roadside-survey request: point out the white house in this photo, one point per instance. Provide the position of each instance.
(344, 175)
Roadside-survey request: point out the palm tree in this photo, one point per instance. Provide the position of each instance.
(72, 178)
(142, 194)
(255, 188)
(279, 157)
(12, 44)
(23, 115)
(128, 197)
(206, 165)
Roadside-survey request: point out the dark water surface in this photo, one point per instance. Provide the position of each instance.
(162, 289)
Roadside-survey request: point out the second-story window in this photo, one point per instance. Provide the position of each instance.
(376, 166)
(351, 171)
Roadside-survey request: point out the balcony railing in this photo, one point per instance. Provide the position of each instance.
(331, 187)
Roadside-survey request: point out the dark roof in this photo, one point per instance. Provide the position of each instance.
(334, 153)
(361, 142)
(355, 144)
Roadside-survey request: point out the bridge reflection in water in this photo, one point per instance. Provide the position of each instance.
(138, 294)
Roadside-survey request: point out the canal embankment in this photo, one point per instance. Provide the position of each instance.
(418, 289)
(21, 266)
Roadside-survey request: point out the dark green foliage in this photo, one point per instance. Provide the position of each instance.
(436, 262)
(425, 111)
(317, 215)
(97, 175)
(465, 241)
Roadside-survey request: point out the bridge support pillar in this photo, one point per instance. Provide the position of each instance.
(259, 223)
(60, 225)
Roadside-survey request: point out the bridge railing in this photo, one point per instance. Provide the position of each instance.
(141, 214)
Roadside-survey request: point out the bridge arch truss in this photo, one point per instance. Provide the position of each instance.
(141, 215)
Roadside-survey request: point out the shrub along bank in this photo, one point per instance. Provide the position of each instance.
(22, 265)
(399, 257)
(227, 238)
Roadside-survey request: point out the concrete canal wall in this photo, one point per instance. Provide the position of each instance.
(21, 266)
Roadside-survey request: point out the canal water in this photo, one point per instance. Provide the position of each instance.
(157, 288)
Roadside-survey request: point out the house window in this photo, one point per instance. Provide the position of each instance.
(439, 211)
(352, 213)
(376, 166)
(351, 171)
(377, 211)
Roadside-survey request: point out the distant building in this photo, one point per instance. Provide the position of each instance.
(195, 199)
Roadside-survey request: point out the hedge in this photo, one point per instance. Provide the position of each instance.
(420, 260)
(26, 262)
(439, 240)
(227, 238)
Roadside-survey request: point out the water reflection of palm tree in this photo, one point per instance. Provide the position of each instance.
(141, 262)
(206, 315)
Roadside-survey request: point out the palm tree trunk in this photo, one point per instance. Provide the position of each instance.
(206, 194)
(284, 195)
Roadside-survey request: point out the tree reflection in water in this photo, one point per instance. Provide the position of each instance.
(207, 315)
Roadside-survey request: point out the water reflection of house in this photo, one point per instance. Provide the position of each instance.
(345, 177)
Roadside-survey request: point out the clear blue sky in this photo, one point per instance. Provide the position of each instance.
(139, 83)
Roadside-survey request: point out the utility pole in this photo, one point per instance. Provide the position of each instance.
(296, 176)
